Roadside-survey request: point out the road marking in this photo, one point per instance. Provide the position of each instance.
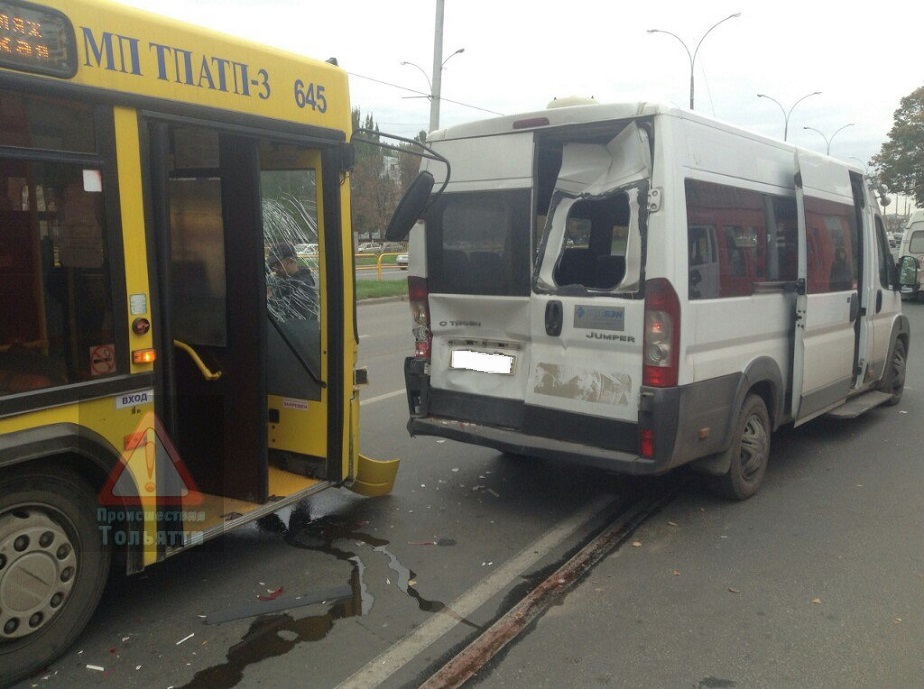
(388, 663)
(381, 398)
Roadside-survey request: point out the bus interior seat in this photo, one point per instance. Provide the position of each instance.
(575, 267)
(608, 271)
(22, 370)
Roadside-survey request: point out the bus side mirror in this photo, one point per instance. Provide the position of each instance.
(410, 208)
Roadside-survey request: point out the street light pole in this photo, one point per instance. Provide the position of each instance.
(829, 140)
(692, 56)
(787, 114)
(435, 86)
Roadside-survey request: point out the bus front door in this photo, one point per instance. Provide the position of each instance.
(212, 293)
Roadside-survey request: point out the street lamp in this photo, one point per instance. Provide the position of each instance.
(829, 140)
(434, 87)
(785, 113)
(692, 56)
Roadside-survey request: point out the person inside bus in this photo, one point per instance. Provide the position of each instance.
(291, 290)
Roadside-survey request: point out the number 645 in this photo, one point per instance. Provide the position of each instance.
(310, 96)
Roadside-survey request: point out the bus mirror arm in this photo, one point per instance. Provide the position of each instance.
(206, 372)
(420, 193)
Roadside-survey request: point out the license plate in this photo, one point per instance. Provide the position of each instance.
(907, 290)
(485, 362)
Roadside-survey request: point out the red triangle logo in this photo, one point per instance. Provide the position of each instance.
(150, 471)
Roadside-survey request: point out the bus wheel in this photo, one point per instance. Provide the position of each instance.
(53, 567)
(748, 453)
(894, 380)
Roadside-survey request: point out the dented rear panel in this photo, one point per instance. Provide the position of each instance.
(533, 266)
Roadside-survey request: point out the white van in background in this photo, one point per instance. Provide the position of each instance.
(637, 287)
(912, 244)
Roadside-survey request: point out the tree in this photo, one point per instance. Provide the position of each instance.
(409, 161)
(374, 193)
(900, 162)
(380, 176)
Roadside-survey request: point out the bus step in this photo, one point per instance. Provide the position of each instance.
(859, 405)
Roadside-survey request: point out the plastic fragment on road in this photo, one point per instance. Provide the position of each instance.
(282, 603)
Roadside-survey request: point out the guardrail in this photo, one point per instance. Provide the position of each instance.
(378, 264)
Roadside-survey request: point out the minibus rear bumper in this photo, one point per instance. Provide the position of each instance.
(518, 443)
(685, 423)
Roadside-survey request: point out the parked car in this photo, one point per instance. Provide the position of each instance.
(306, 250)
(369, 248)
(401, 261)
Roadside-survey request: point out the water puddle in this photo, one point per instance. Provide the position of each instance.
(274, 635)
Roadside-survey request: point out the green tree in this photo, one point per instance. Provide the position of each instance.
(900, 162)
(409, 161)
(374, 187)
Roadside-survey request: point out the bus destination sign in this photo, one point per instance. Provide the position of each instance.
(36, 39)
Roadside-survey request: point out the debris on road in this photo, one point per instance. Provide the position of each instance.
(272, 595)
(280, 604)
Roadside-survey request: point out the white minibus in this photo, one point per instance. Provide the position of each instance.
(637, 287)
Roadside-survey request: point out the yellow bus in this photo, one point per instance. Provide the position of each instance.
(178, 341)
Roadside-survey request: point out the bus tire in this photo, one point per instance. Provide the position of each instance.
(894, 380)
(748, 453)
(53, 566)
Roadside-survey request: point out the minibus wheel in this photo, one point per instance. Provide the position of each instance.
(53, 566)
(894, 380)
(748, 453)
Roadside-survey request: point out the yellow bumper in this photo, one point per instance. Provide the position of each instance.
(374, 477)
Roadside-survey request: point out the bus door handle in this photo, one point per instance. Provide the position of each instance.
(554, 316)
(206, 372)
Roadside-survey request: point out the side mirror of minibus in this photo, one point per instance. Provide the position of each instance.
(907, 274)
(410, 208)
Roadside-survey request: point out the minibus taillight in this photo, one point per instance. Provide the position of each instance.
(420, 315)
(646, 443)
(662, 334)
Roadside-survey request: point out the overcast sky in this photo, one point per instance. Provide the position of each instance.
(519, 55)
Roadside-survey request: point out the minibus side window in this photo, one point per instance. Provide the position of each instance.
(832, 247)
(736, 239)
(885, 255)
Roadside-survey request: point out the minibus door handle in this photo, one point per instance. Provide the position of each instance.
(553, 318)
(878, 301)
(854, 306)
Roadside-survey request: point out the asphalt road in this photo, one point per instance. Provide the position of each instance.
(816, 582)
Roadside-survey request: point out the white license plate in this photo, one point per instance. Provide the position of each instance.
(485, 362)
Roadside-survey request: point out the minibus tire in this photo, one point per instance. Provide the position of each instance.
(748, 453)
(894, 380)
(58, 502)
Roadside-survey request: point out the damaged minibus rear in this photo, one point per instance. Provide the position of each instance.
(616, 285)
